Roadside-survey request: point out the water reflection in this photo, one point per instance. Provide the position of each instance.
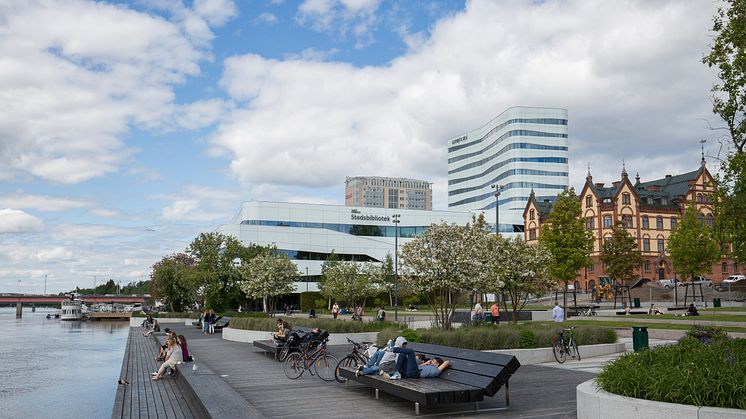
(55, 368)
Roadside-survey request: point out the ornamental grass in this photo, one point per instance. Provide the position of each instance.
(699, 370)
(332, 326)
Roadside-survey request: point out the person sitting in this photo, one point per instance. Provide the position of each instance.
(692, 310)
(654, 310)
(162, 351)
(312, 313)
(148, 321)
(181, 340)
(156, 328)
(174, 357)
(283, 330)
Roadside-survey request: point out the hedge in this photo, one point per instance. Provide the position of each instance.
(331, 325)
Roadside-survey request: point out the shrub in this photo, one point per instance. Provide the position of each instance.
(690, 372)
(706, 334)
(330, 325)
(528, 339)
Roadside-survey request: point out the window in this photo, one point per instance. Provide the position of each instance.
(591, 268)
(700, 198)
(627, 221)
(531, 215)
(664, 201)
(590, 223)
(673, 223)
(725, 268)
(607, 221)
(645, 222)
(646, 244)
(646, 265)
(661, 246)
(588, 201)
(659, 223)
(735, 267)
(532, 234)
(607, 201)
(708, 220)
(625, 199)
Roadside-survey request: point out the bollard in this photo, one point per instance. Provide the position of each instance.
(19, 310)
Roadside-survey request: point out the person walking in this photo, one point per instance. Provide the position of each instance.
(495, 313)
(335, 310)
(558, 314)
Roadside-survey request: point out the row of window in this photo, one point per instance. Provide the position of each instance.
(548, 121)
(530, 146)
(508, 161)
(353, 229)
(628, 221)
(626, 200)
(647, 265)
(303, 255)
(511, 185)
(505, 174)
(514, 199)
(502, 151)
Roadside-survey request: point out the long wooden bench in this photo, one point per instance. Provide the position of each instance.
(470, 376)
(632, 312)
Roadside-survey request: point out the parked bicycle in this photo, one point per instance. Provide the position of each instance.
(590, 311)
(313, 357)
(358, 356)
(564, 345)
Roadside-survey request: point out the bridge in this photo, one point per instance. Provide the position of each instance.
(20, 299)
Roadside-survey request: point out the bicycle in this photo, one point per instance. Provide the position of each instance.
(358, 356)
(588, 312)
(314, 359)
(563, 345)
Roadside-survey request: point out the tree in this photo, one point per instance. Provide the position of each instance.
(444, 262)
(217, 260)
(350, 283)
(692, 245)
(728, 54)
(173, 281)
(268, 276)
(567, 240)
(518, 270)
(621, 254)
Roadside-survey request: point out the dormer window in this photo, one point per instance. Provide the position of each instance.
(664, 201)
(625, 199)
(650, 200)
(607, 201)
(588, 201)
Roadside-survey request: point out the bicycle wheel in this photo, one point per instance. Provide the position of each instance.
(294, 366)
(325, 366)
(348, 361)
(284, 351)
(575, 348)
(559, 351)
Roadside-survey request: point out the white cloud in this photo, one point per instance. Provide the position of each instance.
(53, 254)
(266, 18)
(17, 221)
(82, 232)
(197, 203)
(633, 84)
(312, 54)
(341, 17)
(216, 12)
(67, 96)
(42, 203)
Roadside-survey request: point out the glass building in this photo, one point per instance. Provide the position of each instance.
(522, 149)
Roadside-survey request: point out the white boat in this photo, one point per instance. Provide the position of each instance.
(71, 310)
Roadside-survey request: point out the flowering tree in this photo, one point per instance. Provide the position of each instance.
(268, 277)
(444, 262)
(519, 270)
(350, 282)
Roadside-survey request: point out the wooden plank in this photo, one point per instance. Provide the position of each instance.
(509, 361)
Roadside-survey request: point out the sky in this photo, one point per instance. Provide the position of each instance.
(129, 127)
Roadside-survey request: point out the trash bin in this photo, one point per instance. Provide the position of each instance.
(488, 318)
(716, 302)
(639, 338)
(637, 303)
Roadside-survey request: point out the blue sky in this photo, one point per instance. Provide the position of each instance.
(129, 127)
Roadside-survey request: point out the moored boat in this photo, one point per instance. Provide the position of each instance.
(71, 310)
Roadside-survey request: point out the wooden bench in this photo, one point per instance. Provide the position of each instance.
(677, 308)
(221, 323)
(632, 312)
(470, 376)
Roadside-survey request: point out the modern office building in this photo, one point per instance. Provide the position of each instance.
(521, 150)
(308, 233)
(388, 192)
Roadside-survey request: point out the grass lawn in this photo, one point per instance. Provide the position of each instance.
(734, 309)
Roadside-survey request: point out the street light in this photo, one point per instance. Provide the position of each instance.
(498, 189)
(396, 221)
(306, 278)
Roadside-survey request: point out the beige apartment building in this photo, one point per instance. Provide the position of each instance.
(649, 210)
(388, 192)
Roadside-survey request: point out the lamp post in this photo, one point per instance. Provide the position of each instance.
(306, 278)
(498, 189)
(396, 221)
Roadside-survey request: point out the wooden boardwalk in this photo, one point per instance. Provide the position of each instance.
(536, 392)
(170, 397)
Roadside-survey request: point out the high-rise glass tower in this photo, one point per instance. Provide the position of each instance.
(520, 150)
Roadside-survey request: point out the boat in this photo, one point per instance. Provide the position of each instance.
(71, 310)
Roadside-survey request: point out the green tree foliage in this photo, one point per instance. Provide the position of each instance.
(728, 54)
(444, 262)
(692, 245)
(621, 254)
(350, 282)
(218, 258)
(173, 281)
(268, 277)
(518, 270)
(567, 239)
(139, 287)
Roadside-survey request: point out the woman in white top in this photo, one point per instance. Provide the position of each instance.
(173, 357)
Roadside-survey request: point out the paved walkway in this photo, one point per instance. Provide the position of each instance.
(596, 364)
(536, 391)
(145, 398)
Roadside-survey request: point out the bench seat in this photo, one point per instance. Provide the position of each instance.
(470, 376)
(623, 313)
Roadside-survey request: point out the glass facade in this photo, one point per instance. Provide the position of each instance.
(353, 229)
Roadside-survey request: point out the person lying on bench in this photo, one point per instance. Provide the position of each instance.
(374, 363)
(432, 367)
(407, 365)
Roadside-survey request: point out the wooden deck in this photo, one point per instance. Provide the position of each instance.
(170, 397)
(535, 391)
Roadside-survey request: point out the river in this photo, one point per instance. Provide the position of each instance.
(55, 369)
